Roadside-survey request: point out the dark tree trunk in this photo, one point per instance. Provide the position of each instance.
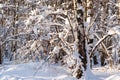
(102, 59)
(95, 60)
(81, 34)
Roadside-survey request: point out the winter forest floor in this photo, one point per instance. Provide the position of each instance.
(46, 71)
(106, 74)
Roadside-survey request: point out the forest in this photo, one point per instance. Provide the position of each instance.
(78, 38)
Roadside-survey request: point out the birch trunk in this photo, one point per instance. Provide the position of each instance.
(89, 33)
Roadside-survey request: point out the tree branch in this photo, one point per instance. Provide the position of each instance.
(103, 45)
(93, 49)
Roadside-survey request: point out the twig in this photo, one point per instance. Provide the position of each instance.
(93, 49)
(71, 28)
(103, 45)
(93, 21)
(42, 64)
(9, 38)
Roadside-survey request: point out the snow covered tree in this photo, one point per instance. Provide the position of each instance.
(76, 33)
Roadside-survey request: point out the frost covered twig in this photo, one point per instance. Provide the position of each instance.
(93, 21)
(93, 49)
(103, 45)
(9, 38)
(71, 27)
(111, 32)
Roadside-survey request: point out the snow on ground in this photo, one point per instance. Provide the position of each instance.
(46, 71)
(106, 74)
(34, 71)
(114, 77)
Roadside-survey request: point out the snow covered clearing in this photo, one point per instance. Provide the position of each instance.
(106, 74)
(34, 71)
(38, 71)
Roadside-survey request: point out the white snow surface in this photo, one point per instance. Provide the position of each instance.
(34, 71)
(47, 71)
(114, 77)
(104, 73)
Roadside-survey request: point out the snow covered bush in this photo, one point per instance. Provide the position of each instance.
(38, 30)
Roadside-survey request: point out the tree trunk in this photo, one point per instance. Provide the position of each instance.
(15, 31)
(89, 32)
(81, 32)
(119, 10)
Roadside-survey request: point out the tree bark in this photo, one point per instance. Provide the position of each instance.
(119, 10)
(15, 31)
(81, 31)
